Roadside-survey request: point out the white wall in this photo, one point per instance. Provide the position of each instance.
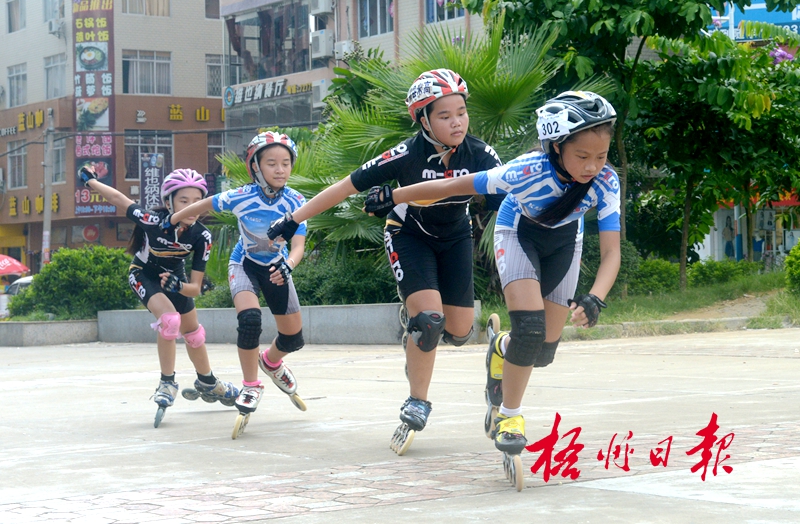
(30, 46)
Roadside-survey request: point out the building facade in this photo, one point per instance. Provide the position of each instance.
(129, 83)
(280, 54)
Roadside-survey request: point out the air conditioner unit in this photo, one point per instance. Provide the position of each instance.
(320, 7)
(319, 90)
(55, 27)
(322, 44)
(342, 48)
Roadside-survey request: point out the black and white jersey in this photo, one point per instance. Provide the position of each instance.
(413, 161)
(167, 251)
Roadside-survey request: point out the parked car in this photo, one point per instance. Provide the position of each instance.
(18, 285)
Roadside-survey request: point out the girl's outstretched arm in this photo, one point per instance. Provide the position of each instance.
(435, 189)
(326, 199)
(194, 210)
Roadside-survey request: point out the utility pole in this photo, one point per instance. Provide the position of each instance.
(48, 186)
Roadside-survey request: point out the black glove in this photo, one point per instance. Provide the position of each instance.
(173, 284)
(285, 227)
(284, 269)
(167, 226)
(591, 306)
(379, 201)
(86, 175)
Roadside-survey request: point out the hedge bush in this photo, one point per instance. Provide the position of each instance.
(655, 276)
(590, 263)
(78, 283)
(792, 267)
(324, 279)
(709, 272)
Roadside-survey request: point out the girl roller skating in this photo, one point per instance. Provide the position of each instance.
(158, 278)
(538, 241)
(259, 265)
(428, 244)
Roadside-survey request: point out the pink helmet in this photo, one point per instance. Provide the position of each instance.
(432, 85)
(260, 142)
(181, 178)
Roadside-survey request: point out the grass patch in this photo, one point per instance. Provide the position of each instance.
(784, 304)
(766, 322)
(659, 307)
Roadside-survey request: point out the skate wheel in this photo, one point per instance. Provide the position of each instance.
(228, 402)
(190, 394)
(298, 402)
(491, 414)
(403, 316)
(512, 467)
(402, 439)
(208, 399)
(405, 341)
(240, 424)
(492, 325)
(159, 416)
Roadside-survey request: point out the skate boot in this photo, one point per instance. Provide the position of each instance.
(246, 403)
(414, 414)
(223, 391)
(164, 396)
(494, 381)
(509, 434)
(282, 377)
(509, 438)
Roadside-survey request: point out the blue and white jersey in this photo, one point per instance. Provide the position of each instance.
(255, 213)
(531, 183)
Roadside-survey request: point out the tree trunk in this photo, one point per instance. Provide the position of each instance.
(748, 213)
(622, 172)
(687, 214)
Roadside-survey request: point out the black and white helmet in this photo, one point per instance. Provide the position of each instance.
(570, 112)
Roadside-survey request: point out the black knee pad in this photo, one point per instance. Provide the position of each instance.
(426, 328)
(546, 355)
(249, 328)
(290, 343)
(527, 336)
(449, 338)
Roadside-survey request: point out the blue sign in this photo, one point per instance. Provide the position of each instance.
(755, 13)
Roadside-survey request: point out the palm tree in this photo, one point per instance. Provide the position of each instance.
(506, 76)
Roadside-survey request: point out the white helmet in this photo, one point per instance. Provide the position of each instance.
(570, 112)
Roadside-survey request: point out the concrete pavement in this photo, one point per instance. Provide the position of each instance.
(79, 443)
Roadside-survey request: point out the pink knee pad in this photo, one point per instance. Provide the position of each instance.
(169, 325)
(196, 338)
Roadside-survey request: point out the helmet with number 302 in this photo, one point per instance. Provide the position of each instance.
(570, 112)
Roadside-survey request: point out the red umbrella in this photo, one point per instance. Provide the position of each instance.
(11, 266)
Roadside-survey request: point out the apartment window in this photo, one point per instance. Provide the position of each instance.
(59, 161)
(55, 76)
(146, 7)
(17, 173)
(441, 10)
(17, 85)
(53, 9)
(16, 15)
(376, 17)
(138, 142)
(216, 147)
(214, 75)
(146, 73)
(212, 9)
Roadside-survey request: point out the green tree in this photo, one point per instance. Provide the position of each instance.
(709, 122)
(594, 38)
